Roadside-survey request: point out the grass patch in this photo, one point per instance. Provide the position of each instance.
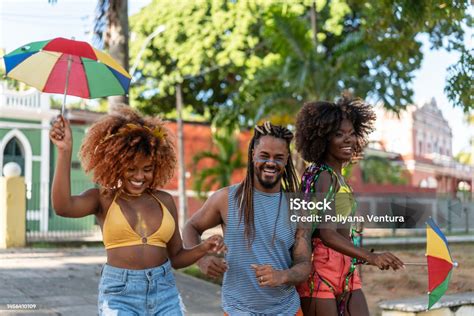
(196, 272)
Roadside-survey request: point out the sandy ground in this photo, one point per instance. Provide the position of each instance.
(413, 281)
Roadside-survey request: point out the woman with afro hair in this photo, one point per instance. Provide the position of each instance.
(329, 135)
(130, 158)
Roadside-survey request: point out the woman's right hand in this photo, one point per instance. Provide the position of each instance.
(385, 261)
(60, 134)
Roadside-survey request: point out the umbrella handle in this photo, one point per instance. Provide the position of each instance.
(415, 263)
(69, 62)
(455, 264)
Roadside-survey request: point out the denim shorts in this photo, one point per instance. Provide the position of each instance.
(139, 292)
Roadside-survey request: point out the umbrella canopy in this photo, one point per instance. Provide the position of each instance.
(67, 66)
(440, 263)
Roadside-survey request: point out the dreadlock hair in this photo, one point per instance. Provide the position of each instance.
(244, 193)
(111, 145)
(316, 122)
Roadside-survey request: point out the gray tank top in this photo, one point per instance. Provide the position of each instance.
(241, 294)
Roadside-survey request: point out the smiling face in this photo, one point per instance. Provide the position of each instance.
(138, 176)
(342, 144)
(270, 157)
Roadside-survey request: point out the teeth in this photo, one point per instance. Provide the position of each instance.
(136, 183)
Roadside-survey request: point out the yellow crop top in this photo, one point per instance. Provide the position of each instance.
(117, 232)
(344, 199)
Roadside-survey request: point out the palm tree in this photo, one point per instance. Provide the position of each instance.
(226, 160)
(111, 32)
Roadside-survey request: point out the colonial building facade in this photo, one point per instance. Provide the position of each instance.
(423, 139)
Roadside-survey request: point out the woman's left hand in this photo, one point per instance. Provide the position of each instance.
(215, 245)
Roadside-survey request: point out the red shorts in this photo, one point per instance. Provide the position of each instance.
(331, 266)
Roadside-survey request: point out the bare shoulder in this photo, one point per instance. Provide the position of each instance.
(217, 204)
(220, 197)
(212, 213)
(105, 200)
(92, 195)
(325, 181)
(167, 199)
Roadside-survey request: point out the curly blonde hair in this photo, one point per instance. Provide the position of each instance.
(112, 144)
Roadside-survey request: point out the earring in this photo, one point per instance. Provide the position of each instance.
(119, 183)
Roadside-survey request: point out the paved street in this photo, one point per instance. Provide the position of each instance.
(64, 282)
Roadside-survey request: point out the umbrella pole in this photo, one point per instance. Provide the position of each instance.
(415, 263)
(69, 62)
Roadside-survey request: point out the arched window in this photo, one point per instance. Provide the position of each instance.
(13, 152)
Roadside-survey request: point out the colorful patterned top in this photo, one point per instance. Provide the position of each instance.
(345, 206)
(343, 198)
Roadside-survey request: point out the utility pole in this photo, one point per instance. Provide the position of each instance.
(183, 208)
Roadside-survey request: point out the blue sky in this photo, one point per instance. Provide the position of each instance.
(24, 21)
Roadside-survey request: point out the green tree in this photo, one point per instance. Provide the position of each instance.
(380, 170)
(225, 160)
(466, 156)
(207, 47)
(247, 59)
(111, 31)
(368, 49)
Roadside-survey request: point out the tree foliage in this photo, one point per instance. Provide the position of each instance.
(207, 46)
(380, 170)
(243, 60)
(225, 159)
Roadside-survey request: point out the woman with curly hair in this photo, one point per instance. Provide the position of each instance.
(130, 158)
(329, 135)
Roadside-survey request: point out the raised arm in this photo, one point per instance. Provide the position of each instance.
(63, 203)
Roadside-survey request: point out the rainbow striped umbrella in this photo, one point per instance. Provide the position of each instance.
(440, 263)
(68, 67)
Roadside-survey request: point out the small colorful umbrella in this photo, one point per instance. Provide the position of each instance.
(440, 263)
(69, 67)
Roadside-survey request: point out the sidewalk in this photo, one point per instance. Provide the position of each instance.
(64, 282)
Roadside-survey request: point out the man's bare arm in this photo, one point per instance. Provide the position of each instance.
(208, 216)
(301, 268)
(267, 276)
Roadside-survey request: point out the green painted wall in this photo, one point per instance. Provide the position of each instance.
(79, 180)
(79, 183)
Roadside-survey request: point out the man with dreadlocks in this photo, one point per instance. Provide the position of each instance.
(130, 158)
(267, 254)
(329, 135)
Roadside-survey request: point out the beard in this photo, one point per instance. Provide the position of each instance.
(265, 183)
